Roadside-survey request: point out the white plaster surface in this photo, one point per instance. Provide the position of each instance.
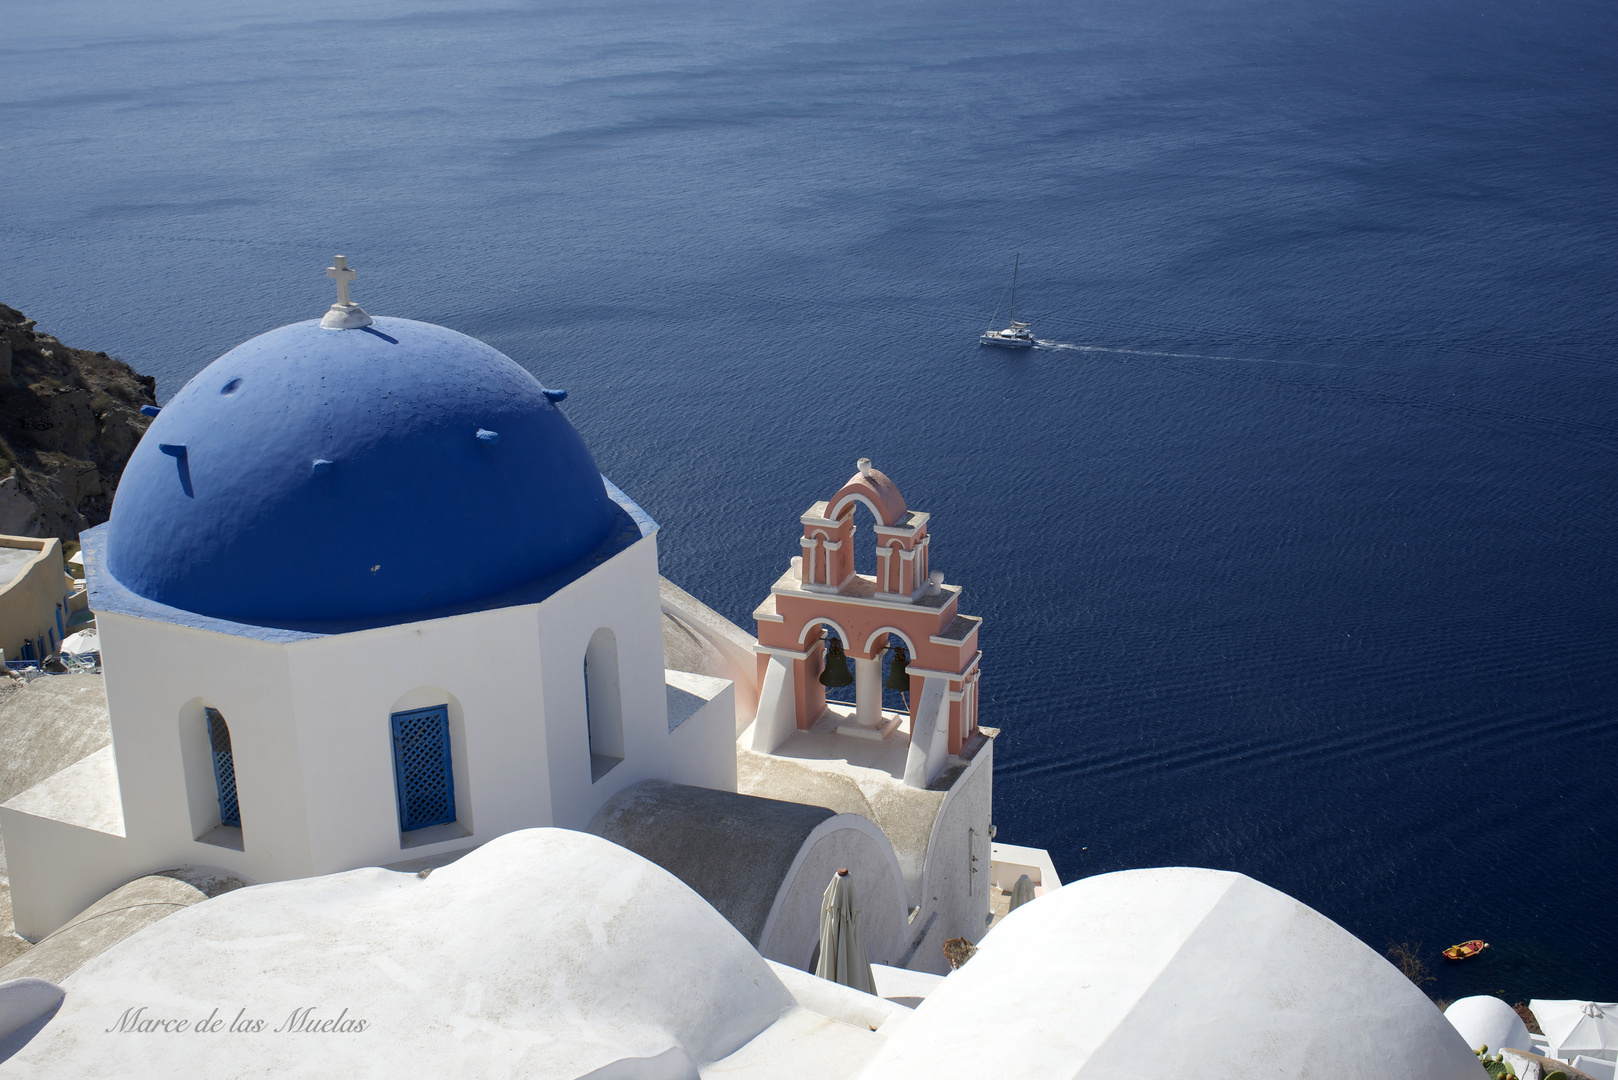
(850, 842)
(687, 692)
(903, 987)
(116, 916)
(85, 794)
(1488, 1021)
(833, 1033)
(23, 1002)
(933, 832)
(696, 638)
(843, 1003)
(1174, 973)
(44, 727)
(930, 738)
(1599, 1068)
(776, 721)
(1011, 861)
(544, 953)
(803, 1045)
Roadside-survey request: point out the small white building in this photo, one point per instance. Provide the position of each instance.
(37, 598)
(364, 598)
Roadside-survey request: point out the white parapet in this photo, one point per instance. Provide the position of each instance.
(1008, 862)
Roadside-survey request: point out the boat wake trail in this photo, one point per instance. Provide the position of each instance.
(1039, 344)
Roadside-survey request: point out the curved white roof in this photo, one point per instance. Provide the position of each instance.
(543, 953)
(1488, 1021)
(1174, 973)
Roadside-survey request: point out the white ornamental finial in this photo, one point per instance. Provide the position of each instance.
(345, 314)
(864, 465)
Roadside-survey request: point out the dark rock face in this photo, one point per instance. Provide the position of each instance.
(69, 420)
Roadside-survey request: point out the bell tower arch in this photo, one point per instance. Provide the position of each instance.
(904, 605)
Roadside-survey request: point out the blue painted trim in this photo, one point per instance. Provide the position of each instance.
(150, 410)
(61, 631)
(423, 772)
(643, 520)
(106, 593)
(224, 768)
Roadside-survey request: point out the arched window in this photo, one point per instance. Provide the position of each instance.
(603, 704)
(423, 771)
(224, 769)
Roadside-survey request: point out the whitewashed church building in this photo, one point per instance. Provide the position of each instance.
(379, 638)
(365, 599)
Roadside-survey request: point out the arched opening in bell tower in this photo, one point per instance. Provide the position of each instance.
(865, 541)
(861, 675)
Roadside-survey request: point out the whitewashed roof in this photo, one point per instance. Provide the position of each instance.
(1174, 973)
(543, 953)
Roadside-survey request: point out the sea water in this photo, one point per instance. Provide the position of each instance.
(1295, 548)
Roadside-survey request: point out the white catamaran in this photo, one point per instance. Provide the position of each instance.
(1016, 335)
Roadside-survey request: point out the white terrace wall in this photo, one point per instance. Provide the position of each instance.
(627, 604)
(155, 675)
(953, 885)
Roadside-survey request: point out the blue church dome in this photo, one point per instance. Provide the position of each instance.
(314, 474)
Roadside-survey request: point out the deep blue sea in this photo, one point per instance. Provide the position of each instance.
(1296, 555)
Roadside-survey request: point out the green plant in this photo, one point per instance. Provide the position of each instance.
(1496, 1067)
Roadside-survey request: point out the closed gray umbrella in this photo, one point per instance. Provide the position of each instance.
(1021, 893)
(842, 953)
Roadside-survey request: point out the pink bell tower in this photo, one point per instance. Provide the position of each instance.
(904, 603)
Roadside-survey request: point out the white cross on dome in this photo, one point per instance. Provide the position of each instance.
(345, 314)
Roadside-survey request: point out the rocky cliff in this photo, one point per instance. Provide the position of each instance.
(69, 420)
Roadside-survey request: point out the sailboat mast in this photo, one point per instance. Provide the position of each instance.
(1012, 313)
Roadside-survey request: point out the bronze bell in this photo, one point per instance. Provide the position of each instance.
(836, 672)
(899, 674)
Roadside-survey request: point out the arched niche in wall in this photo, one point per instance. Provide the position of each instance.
(434, 798)
(208, 757)
(603, 703)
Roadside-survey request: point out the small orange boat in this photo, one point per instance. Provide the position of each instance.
(1465, 950)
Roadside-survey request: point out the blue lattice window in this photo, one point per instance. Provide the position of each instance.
(224, 769)
(423, 775)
